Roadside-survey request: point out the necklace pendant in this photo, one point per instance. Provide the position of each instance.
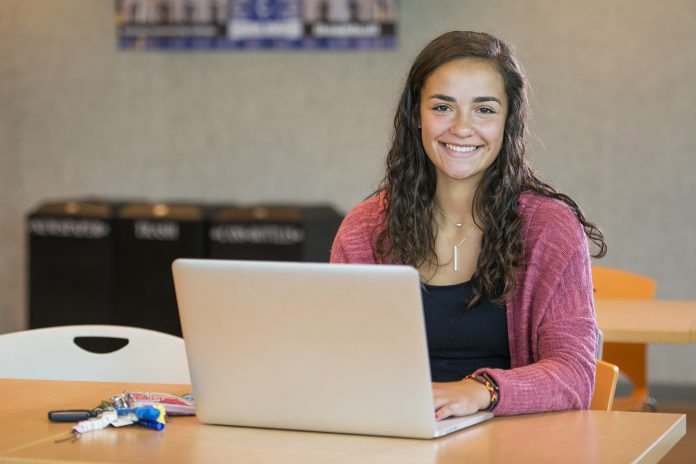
(458, 224)
(456, 259)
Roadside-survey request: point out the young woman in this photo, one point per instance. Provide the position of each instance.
(503, 257)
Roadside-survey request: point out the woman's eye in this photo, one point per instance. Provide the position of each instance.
(486, 110)
(441, 107)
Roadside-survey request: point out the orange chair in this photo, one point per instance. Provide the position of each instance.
(631, 358)
(605, 386)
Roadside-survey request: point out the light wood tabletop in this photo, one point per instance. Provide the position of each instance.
(647, 321)
(571, 436)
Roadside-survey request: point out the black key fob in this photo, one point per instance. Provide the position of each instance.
(70, 415)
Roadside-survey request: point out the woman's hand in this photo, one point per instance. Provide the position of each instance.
(460, 398)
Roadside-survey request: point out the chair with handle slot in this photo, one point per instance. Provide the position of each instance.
(57, 353)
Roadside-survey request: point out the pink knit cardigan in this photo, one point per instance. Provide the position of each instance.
(551, 319)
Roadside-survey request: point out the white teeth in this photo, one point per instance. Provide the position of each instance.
(460, 149)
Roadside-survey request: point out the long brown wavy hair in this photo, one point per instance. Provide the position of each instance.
(408, 187)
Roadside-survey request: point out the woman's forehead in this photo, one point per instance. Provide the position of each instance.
(464, 76)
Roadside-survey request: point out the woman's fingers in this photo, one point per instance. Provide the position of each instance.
(455, 409)
(440, 395)
(444, 412)
(458, 398)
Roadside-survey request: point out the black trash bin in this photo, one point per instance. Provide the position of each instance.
(149, 237)
(70, 263)
(273, 233)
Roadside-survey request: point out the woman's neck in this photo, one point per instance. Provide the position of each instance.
(455, 204)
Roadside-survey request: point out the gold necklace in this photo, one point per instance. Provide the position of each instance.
(456, 223)
(455, 248)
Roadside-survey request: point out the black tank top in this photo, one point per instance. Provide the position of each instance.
(460, 340)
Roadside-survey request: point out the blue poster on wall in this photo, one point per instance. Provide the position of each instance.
(256, 24)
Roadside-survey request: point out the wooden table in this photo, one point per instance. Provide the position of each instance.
(628, 325)
(571, 436)
(647, 321)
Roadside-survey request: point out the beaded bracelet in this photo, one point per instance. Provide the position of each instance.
(484, 379)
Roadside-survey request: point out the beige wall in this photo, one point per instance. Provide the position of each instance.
(614, 122)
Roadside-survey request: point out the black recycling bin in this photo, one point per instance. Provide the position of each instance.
(273, 233)
(70, 263)
(149, 237)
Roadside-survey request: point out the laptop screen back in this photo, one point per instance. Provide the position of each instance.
(305, 346)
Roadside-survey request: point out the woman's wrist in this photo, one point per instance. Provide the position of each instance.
(490, 395)
(483, 397)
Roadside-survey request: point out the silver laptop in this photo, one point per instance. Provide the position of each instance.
(306, 346)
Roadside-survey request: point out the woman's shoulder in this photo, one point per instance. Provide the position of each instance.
(354, 241)
(535, 207)
(548, 218)
(367, 213)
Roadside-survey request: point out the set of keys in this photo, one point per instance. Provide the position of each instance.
(119, 411)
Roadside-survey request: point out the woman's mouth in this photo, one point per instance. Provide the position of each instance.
(460, 148)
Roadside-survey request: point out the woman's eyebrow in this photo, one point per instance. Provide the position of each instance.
(486, 99)
(439, 96)
(447, 98)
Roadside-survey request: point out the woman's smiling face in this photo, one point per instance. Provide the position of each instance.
(463, 108)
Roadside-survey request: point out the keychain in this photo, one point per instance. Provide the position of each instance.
(118, 411)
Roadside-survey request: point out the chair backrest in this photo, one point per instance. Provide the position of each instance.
(630, 357)
(613, 283)
(605, 386)
(53, 354)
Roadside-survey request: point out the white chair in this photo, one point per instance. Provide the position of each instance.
(52, 354)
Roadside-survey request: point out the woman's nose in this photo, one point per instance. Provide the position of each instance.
(461, 126)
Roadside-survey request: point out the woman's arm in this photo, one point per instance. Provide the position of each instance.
(554, 330)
